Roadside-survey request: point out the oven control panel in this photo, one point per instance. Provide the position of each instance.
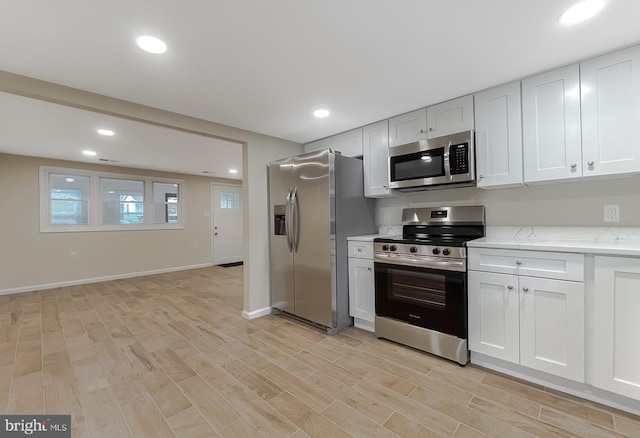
(419, 250)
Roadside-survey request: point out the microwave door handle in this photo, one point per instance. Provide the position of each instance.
(447, 161)
(287, 221)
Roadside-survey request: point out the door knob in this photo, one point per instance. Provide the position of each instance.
(526, 289)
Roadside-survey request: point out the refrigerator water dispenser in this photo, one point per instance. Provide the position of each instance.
(279, 220)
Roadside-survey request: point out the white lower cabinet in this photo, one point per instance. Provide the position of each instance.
(615, 326)
(494, 315)
(529, 320)
(361, 285)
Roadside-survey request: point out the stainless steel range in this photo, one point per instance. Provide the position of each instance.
(421, 280)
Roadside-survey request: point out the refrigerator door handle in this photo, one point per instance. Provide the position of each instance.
(287, 221)
(296, 219)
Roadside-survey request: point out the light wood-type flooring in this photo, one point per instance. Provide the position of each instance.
(170, 355)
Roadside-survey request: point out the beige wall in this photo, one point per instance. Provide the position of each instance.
(33, 259)
(257, 151)
(560, 204)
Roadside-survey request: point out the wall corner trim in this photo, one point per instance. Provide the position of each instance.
(256, 313)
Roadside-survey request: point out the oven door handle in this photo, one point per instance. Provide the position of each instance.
(459, 265)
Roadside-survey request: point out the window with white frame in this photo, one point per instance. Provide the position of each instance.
(166, 203)
(79, 200)
(122, 201)
(68, 199)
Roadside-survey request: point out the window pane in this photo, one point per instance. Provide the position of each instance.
(165, 203)
(69, 199)
(122, 201)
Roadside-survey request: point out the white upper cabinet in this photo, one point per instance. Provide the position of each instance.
(610, 88)
(325, 143)
(450, 117)
(551, 125)
(348, 143)
(375, 156)
(408, 127)
(498, 124)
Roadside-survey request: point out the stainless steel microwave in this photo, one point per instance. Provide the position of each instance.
(433, 163)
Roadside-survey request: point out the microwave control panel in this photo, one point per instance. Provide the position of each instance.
(459, 158)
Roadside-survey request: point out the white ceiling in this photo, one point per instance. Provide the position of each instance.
(264, 66)
(44, 129)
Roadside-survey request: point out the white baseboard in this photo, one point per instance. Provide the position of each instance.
(256, 313)
(18, 290)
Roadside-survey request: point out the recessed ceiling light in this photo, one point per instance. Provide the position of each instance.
(233, 171)
(107, 132)
(582, 11)
(90, 153)
(321, 113)
(151, 44)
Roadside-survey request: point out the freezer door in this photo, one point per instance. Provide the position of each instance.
(314, 237)
(281, 257)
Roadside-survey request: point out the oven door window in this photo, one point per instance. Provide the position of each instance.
(425, 164)
(430, 298)
(426, 290)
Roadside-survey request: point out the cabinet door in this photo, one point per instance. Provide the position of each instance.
(375, 156)
(450, 117)
(610, 87)
(325, 143)
(361, 289)
(348, 143)
(552, 326)
(551, 125)
(499, 136)
(615, 324)
(494, 315)
(407, 128)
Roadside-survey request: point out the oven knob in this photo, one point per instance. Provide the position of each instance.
(446, 251)
(436, 251)
(393, 248)
(413, 249)
(385, 247)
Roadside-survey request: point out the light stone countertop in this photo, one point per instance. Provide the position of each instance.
(383, 231)
(585, 240)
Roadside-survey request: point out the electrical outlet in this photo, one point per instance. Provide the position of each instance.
(612, 213)
(73, 256)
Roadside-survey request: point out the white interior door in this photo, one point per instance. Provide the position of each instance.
(226, 223)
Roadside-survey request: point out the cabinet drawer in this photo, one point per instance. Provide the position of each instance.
(561, 266)
(361, 250)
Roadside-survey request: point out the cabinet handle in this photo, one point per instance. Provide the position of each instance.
(574, 165)
(422, 131)
(430, 129)
(518, 262)
(480, 176)
(526, 289)
(368, 269)
(510, 287)
(590, 163)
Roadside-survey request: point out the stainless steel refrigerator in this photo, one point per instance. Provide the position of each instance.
(316, 201)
